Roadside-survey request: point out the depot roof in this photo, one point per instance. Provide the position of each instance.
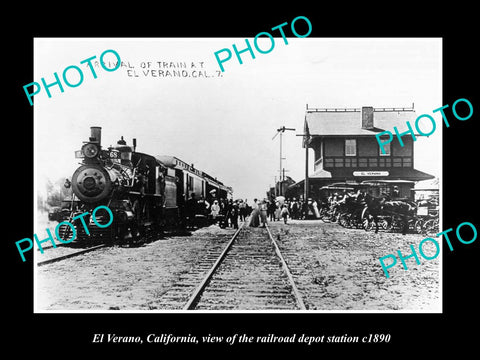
(392, 175)
(345, 122)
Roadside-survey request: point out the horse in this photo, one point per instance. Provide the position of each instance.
(351, 208)
(374, 208)
(384, 205)
(403, 209)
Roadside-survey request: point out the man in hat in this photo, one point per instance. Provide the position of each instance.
(234, 214)
(395, 192)
(242, 209)
(191, 209)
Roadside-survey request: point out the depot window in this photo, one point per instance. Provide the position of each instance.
(350, 147)
(386, 148)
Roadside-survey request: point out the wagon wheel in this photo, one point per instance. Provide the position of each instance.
(334, 216)
(385, 224)
(368, 224)
(343, 220)
(360, 224)
(327, 218)
(351, 221)
(418, 226)
(325, 215)
(365, 219)
(356, 220)
(430, 228)
(396, 223)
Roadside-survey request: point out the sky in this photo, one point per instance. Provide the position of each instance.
(224, 124)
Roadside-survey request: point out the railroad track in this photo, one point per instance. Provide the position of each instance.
(68, 250)
(249, 274)
(70, 254)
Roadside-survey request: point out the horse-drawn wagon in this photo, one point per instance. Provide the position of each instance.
(427, 211)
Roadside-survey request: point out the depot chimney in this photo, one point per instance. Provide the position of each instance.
(367, 117)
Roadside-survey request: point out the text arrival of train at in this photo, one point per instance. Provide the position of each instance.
(146, 194)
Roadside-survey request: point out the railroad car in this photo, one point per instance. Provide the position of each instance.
(146, 194)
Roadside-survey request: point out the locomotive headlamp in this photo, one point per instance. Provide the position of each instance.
(90, 150)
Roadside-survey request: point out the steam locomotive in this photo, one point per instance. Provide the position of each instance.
(146, 194)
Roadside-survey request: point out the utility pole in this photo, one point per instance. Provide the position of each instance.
(281, 131)
(306, 139)
(306, 187)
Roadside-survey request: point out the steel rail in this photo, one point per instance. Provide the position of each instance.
(298, 296)
(52, 247)
(192, 302)
(63, 257)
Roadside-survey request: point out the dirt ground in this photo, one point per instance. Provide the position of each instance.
(335, 269)
(122, 278)
(338, 268)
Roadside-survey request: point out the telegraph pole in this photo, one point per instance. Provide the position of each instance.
(281, 131)
(306, 187)
(306, 138)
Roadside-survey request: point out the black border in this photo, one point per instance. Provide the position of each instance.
(411, 333)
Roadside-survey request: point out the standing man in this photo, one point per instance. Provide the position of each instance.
(284, 213)
(203, 206)
(191, 209)
(228, 212)
(294, 209)
(271, 210)
(234, 215)
(395, 192)
(242, 208)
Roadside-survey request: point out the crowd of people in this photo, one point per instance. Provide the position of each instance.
(347, 206)
(228, 212)
(225, 212)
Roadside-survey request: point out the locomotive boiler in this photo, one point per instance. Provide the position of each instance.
(146, 194)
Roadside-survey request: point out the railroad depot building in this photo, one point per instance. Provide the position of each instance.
(346, 149)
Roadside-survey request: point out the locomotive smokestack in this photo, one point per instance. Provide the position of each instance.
(96, 134)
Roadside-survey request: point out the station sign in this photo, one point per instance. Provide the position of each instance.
(370, 173)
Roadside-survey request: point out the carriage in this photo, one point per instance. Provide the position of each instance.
(408, 211)
(347, 210)
(386, 204)
(427, 211)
